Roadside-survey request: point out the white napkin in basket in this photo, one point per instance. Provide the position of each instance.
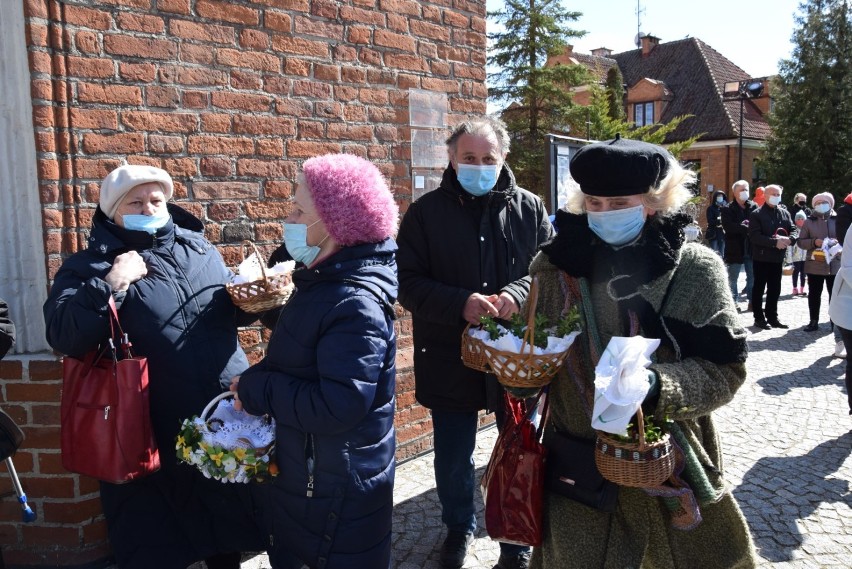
(240, 429)
(621, 382)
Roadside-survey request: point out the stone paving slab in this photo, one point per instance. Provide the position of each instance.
(787, 444)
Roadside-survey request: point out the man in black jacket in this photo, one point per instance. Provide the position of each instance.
(771, 230)
(464, 252)
(737, 247)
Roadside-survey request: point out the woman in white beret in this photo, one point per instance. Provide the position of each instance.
(168, 281)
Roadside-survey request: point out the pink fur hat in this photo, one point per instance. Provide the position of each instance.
(824, 196)
(352, 198)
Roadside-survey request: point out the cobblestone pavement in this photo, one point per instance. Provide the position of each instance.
(787, 441)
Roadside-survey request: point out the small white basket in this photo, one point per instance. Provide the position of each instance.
(230, 445)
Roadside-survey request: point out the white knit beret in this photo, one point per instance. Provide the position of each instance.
(124, 178)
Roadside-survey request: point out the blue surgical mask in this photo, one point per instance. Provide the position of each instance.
(720, 199)
(147, 223)
(822, 208)
(296, 242)
(773, 200)
(477, 180)
(618, 226)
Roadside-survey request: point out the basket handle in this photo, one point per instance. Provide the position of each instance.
(214, 401)
(260, 259)
(640, 425)
(532, 301)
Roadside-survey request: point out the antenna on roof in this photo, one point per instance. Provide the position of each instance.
(639, 11)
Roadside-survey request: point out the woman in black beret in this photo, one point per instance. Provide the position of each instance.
(620, 255)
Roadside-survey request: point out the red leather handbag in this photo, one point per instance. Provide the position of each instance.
(513, 482)
(105, 420)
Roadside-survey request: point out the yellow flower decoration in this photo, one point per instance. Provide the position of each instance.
(217, 457)
(239, 453)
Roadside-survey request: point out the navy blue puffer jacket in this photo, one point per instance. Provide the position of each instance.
(328, 379)
(180, 317)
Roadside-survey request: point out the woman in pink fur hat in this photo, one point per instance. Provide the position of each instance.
(329, 374)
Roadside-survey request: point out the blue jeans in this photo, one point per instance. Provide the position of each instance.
(734, 275)
(718, 244)
(455, 439)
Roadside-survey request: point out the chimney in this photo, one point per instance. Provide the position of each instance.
(649, 42)
(602, 52)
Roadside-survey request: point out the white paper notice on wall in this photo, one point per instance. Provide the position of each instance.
(419, 182)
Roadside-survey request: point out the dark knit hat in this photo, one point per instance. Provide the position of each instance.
(619, 167)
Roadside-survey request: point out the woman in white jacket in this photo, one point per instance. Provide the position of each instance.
(840, 311)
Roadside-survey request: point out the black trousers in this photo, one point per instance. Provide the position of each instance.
(815, 283)
(847, 341)
(767, 276)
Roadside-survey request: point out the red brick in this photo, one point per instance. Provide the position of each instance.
(478, 24)
(436, 67)
(276, 84)
(432, 31)
(398, 23)
(227, 12)
(139, 23)
(121, 143)
(253, 60)
(278, 22)
(359, 35)
(341, 131)
(432, 14)
(87, 17)
(224, 211)
(195, 76)
(370, 57)
(54, 536)
(294, 66)
(405, 81)
(109, 94)
(373, 96)
(344, 53)
(463, 71)
(345, 94)
(209, 144)
(90, 67)
(205, 32)
(311, 129)
(35, 8)
(264, 125)
(158, 144)
(377, 152)
(300, 46)
(46, 392)
(216, 122)
(87, 42)
(134, 47)
(327, 72)
(241, 101)
(313, 89)
(400, 7)
(456, 19)
(313, 27)
(160, 122)
(353, 74)
(36, 35)
(307, 149)
(324, 9)
(277, 189)
(215, 166)
(225, 190)
(137, 72)
(410, 62)
(254, 39)
(182, 168)
(163, 97)
(327, 109)
(268, 210)
(245, 80)
(269, 231)
(373, 17)
(265, 168)
(41, 370)
(293, 107)
(201, 54)
(11, 369)
(273, 147)
(48, 414)
(174, 6)
(432, 84)
(77, 513)
(291, 5)
(195, 100)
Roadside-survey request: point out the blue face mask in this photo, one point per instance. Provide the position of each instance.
(296, 242)
(720, 199)
(822, 208)
(618, 226)
(477, 180)
(147, 223)
(773, 200)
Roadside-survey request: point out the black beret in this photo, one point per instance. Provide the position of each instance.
(619, 167)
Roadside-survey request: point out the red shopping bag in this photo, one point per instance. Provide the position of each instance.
(513, 482)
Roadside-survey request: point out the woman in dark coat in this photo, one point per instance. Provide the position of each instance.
(168, 282)
(328, 377)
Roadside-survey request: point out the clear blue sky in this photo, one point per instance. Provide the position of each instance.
(753, 34)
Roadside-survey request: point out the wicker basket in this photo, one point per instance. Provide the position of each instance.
(639, 465)
(524, 369)
(264, 294)
(472, 354)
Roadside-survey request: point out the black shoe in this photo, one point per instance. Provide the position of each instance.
(812, 326)
(762, 324)
(777, 324)
(518, 561)
(454, 549)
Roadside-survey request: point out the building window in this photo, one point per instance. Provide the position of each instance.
(643, 114)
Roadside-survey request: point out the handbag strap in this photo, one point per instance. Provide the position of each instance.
(115, 324)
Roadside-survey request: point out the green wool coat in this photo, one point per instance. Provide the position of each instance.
(698, 310)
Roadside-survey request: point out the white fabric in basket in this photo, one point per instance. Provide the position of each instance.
(239, 430)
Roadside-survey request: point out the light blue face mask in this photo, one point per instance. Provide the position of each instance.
(720, 199)
(147, 223)
(477, 180)
(774, 200)
(822, 208)
(618, 226)
(296, 242)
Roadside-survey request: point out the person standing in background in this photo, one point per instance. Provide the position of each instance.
(796, 255)
(844, 218)
(715, 231)
(737, 246)
(840, 312)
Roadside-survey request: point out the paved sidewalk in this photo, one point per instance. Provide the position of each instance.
(787, 441)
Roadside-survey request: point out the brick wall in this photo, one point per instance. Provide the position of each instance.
(229, 97)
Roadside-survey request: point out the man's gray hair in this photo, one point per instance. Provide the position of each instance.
(739, 184)
(481, 126)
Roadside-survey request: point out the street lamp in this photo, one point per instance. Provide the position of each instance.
(742, 90)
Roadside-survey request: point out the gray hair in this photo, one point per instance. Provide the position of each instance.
(739, 184)
(481, 126)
